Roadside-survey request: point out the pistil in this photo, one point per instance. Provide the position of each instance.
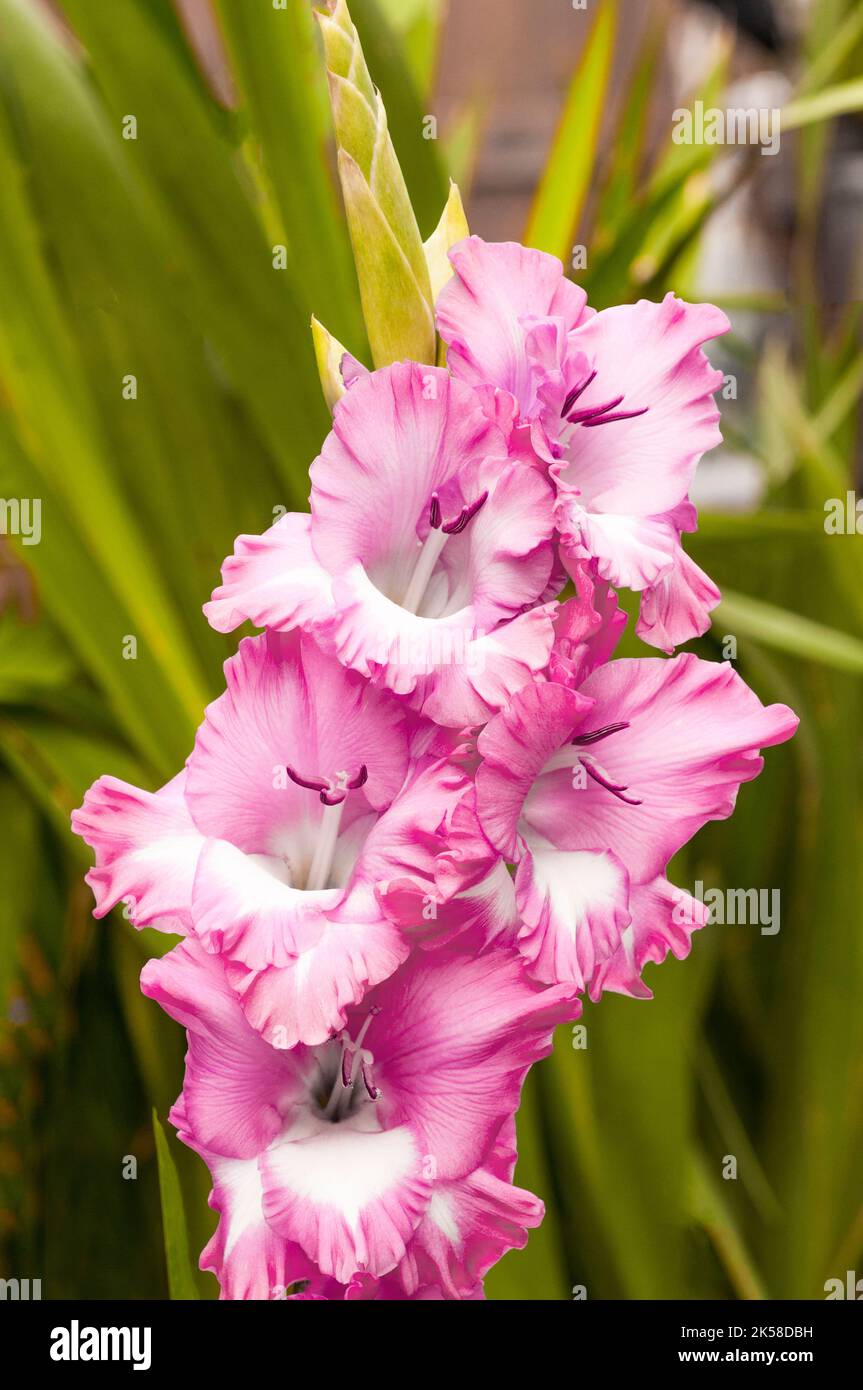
(333, 792)
(432, 547)
(356, 1060)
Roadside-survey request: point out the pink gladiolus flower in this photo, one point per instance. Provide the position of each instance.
(306, 790)
(364, 980)
(424, 546)
(385, 1152)
(617, 404)
(591, 782)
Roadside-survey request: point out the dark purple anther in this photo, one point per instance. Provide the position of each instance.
(454, 528)
(434, 512)
(575, 393)
(313, 784)
(621, 415)
(616, 788)
(331, 793)
(597, 734)
(579, 417)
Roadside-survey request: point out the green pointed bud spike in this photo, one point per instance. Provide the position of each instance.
(398, 310)
(329, 355)
(398, 317)
(451, 229)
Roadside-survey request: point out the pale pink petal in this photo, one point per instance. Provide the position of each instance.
(481, 312)
(147, 848)
(242, 907)
(663, 920)
(306, 1000)
(351, 1198)
(678, 606)
(573, 906)
(649, 354)
(398, 435)
(515, 746)
(497, 666)
(454, 1037)
(694, 730)
(273, 580)
(468, 1226)
(289, 705)
(631, 552)
(250, 1261)
(237, 1088)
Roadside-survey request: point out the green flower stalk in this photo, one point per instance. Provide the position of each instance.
(388, 250)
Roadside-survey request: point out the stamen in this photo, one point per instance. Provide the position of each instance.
(313, 784)
(432, 546)
(333, 790)
(616, 788)
(356, 1061)
(594, 415)
(598, 734)
(574, 394)
(454, 528)
(620, 415)
(580, 417)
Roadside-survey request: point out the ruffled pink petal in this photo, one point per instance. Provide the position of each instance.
(147, 848)
(398, 435)
(237, 1088)
(587, 628)
(631, 552)
(663, 920)
(500, 664)
(242, 907)
(487, 909)
(574, 906)
(306, 1000)
(454, 1037)
(515, 747)
(693, 736)
(350, 1198)
(481, 312)
(469, 1225)
(650, 354)
(678, 606)
(273, 580)
(503, 561)
(250, 1261)
(289, 705)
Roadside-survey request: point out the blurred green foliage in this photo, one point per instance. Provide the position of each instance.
(158, 392)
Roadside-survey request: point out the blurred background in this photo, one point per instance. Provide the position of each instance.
(158, 395)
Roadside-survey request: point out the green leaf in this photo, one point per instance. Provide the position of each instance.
(789, 632)
(253, 312)
(275, 58)
(181, 1278)
(565, 182)
(19, 857)
(713, 1213)
(839, 100)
